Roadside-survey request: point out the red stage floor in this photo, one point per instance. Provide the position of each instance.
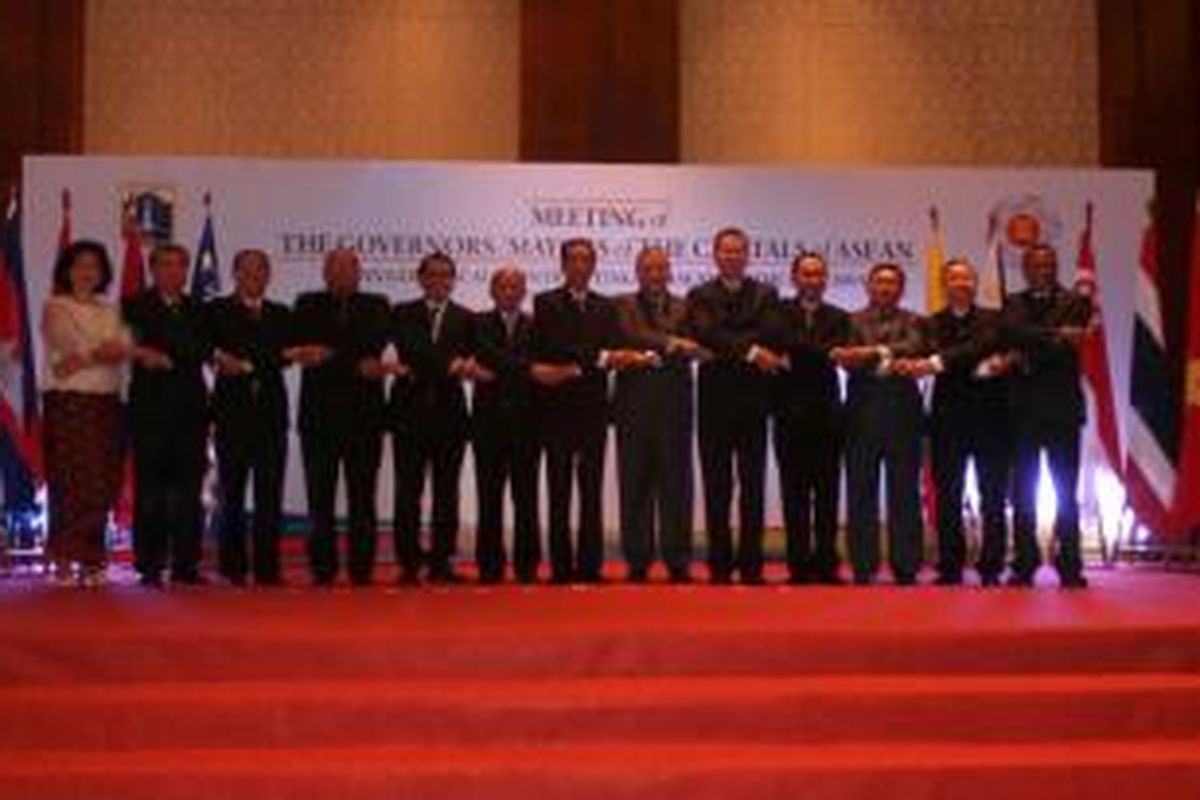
(617, 691)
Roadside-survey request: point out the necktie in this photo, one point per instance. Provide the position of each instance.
(435, 322)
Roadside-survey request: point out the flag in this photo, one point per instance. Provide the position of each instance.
(1093, 352)
(133, 281)
(20, 422)
(1187, 499)
(133, 265)
(206, 277)
(935, 299)
(935, 258)
(1154, 408)
(64, 229)
(992, 285)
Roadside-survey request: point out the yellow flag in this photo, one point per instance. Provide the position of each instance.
(935, 257)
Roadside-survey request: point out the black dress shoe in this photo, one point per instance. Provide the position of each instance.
(752, 579)
(679, 576)
(324, 581)
(799, 579)
(151, 580)
(720, 578)
(361, 581)
(591, 578)
(948, 579)
(905, 579)
(188, 577)
(830, 579)
(560, 578)
(490, 578)
(1020, 580)
(864, 579)
(526, 577)
(409, 577)
(638, 575)
(444, 574)
(1073, 581)
(989, 581)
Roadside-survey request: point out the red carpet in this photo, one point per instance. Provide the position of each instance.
(606, 692)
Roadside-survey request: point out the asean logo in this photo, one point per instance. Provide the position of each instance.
(1025, 220)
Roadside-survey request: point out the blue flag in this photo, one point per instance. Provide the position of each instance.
(206, 276)
(20, 422)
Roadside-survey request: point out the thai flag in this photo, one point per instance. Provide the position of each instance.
(20, 423)
(206, 276)
(1150, 466)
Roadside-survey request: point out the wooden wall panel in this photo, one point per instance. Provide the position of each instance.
(41, 80)
(600, 80)
(1150, 118)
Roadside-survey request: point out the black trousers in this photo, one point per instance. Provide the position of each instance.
(1061, 445)
(575, 455)
(327, 455)
(729, 440)
(169, 463)
(654, 461)
(243, 457)
(417, 455)
(987, 445)
(810, 460)
(893, 443)
(506, 456)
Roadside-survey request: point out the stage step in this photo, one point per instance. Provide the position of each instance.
(1162, 769)
(249, 652)
(686, 710)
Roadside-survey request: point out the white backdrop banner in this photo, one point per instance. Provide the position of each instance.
(487, 214)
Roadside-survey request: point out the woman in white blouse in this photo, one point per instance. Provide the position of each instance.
(86, 349)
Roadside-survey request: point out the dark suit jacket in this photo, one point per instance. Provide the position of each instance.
(563, 334)
(887, 400)
(810, 391)
(333, 395)
(1045, 385)
(653, 396)
(508, 401)
(162, 399)
(429, 399)
(242, 404)
(959, 396)
(728, 324)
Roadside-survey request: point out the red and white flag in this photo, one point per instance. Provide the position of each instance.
(1093, 353)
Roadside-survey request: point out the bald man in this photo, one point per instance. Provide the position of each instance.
(506, 439)
(341, 333)
(653, 405)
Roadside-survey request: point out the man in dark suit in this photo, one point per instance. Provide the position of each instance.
(653, 413)
(969, 421)
(808, 424)
(340, 337)
(734, 317)
(884, 421)
(574, 330)
(1046, 323)
(505, 434)
(249, 334)
(428, 417)
(169, 418)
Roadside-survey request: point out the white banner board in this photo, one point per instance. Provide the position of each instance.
(485, 214)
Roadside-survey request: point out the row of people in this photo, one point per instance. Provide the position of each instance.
(716, 365)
